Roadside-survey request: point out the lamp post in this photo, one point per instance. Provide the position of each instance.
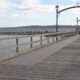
(57, 9)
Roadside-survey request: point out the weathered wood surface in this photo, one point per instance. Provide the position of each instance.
(62, 65)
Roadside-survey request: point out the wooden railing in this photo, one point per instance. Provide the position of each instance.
(49, 38)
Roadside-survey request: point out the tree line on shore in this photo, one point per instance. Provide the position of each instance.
(24, 33)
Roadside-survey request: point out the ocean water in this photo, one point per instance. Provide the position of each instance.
(12, 42)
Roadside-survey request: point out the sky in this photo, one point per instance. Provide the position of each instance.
(15, 13)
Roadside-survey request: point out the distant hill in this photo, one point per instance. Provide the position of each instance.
(32, 28)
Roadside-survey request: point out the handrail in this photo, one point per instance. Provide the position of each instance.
(31, 42)
(23, 36)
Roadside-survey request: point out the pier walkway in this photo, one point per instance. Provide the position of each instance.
(59, 61)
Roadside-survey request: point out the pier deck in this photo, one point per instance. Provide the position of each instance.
(60, 61)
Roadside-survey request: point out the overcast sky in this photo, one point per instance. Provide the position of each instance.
(36, 12)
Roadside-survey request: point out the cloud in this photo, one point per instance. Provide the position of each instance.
(3, 4)
(15, 15)
(35, 5)
(75, 0)
(27, 8)
(34, 8)
(29, 3)
(74, 11)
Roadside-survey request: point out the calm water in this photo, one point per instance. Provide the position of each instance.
(8, 42)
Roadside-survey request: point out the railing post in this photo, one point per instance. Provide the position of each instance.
(53, 39)
(41, 40)
(17, 42)
(60, 36)
(56, 37)
(31, 42)
(48, 40)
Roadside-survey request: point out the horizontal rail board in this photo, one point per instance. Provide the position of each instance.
(24, 36)
(19, 45)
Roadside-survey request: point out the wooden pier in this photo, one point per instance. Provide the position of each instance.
(59, 61)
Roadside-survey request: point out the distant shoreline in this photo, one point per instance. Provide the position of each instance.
(28, 30)
(23, 33)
